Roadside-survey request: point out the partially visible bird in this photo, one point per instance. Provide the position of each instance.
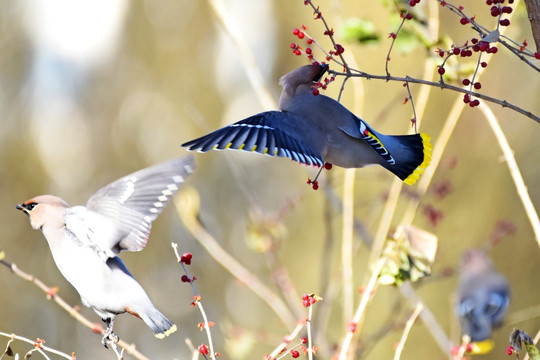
(314, 129)
(85, 240)
(483, 296)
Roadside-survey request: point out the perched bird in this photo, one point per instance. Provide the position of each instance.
(85, 240)
(483, 296)
(314, 129)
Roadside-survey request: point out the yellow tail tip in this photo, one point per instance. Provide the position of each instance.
(171, 330)
(411, 179)
(482, 347)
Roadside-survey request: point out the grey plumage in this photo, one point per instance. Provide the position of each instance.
(483, 295)
(85, 240)
(317, 129)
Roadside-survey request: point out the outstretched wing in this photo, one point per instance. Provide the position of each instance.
(134, 201)
(271, 133)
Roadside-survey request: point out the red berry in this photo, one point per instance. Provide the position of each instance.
(484, 46)
(441, 70)
(489, 2)
(504, 22)
(297, 52)
(308, 51)
(493, 50)
(203, 349)
(296, 31)
(186, 258)
(464, 21)
(315, 187)
(537, 55)
(295, 353)
(483, 64)
(315, 92)
(312, 300)
(301, 35)
(408, 16)
(507, 9)
(327, 166)
(495, 11)
(293, 46)
(474, 40)
(412, 2)
(466, 82)
(306, 303)
(476, 48)
(509, 350)
(477, 85)
(303, 340)
(309, 41)
(184, 278)
(475, 102)
(456, 51)
(466, 99)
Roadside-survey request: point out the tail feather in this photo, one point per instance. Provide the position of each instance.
(412, 154)
(160, 325)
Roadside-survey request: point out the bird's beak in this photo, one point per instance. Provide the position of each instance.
(324, 68)
(22, 208)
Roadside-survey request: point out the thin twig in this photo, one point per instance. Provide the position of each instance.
(360, 311)
(513, 168)
(408, 327)
(330, 35)
(347, 243)
(443, 86)
(197, 300)
(41, 346)
(292, 335)
(394, 37)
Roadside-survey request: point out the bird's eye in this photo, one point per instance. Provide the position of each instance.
(30, 206)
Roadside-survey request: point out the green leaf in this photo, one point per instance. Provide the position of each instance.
(358, 30)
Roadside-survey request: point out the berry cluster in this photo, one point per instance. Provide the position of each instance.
(476, 45)
(313, 183)
(497, 10)
(309, 299)
(509, 350)
(38, 344)
(185, 259)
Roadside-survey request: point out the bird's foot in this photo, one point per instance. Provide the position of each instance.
(109, 338)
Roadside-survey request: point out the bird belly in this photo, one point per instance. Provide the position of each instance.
(98, 285)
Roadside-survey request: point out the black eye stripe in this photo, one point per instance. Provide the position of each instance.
(30, 206)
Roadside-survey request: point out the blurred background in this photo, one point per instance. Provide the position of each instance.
(91, 91)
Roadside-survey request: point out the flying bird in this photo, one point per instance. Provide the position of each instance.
(85, 240)
(314, 129)
(483, 296)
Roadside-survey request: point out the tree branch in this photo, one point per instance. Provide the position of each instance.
(533, 11)
(443, 86)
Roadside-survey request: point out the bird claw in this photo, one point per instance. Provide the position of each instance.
(109, 338)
